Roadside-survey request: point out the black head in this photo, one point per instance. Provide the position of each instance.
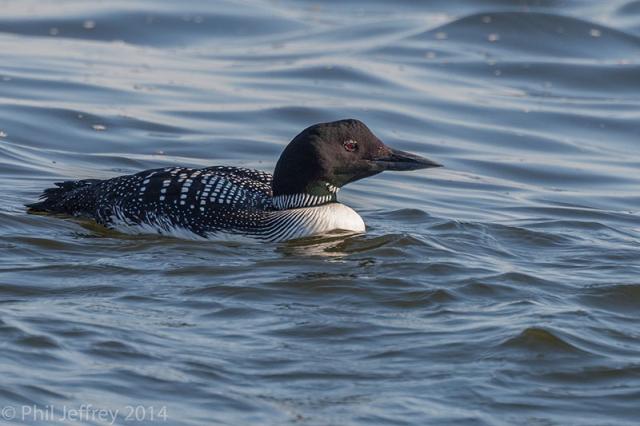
(334, 154)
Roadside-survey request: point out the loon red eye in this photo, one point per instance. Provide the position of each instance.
(350, 145)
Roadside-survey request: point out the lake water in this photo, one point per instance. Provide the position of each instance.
(502, 289)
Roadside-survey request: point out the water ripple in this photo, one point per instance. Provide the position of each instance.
(507, 280)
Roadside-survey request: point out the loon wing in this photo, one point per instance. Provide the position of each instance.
(169, 200)
(201, 201)
(245, 177)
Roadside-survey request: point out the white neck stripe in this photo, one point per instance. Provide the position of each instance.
(294, 201)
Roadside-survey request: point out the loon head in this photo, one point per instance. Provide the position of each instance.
(327, 156)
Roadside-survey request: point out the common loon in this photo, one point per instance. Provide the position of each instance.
(298, 200)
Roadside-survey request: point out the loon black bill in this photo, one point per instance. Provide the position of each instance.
(401, 160)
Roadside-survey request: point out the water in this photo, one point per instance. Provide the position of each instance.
(501, 289)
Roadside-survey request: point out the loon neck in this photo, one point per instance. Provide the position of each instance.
(315, 195)
(296, 201)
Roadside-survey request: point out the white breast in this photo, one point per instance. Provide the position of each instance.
(307, 221)
(336, 216)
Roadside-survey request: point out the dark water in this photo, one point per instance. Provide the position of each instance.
(502, 289)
